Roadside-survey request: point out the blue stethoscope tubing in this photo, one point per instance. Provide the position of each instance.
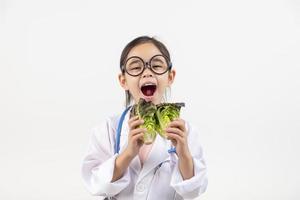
(118, 136)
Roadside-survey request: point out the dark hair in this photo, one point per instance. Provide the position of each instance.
(137, 41)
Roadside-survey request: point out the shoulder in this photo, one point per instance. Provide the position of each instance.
(102, 134)
(105, 127)
(193, 134)
(112, 121)
(191, 129)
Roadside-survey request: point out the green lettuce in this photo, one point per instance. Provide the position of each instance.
(165, 113)
(146, 111)
(156, 117)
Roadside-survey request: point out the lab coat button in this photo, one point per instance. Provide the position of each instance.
(140, 187)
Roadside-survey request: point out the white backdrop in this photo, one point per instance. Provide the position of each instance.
(238, 70)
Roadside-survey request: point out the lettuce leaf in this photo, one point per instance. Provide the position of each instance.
(146, 111)
(167, 112)
(156, 117)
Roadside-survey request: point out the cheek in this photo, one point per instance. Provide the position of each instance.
(162, 88)
(131, 81)
(163, 83)
(133, 86)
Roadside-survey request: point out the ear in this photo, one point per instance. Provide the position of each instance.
(171, 77)
(122, 81)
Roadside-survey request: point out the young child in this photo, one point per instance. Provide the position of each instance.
(118, 165)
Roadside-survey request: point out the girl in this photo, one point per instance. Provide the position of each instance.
(118, 165)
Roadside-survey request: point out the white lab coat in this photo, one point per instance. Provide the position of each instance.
(151, 182)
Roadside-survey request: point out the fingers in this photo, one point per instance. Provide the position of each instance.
(174, 136)
(178, 123)
(134, 122)
(137, 136)
(133, 119)
(175, 131)
(137, 131)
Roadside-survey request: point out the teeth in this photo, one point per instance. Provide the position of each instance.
(146, 84)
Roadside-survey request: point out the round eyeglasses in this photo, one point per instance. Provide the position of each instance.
(158, 64)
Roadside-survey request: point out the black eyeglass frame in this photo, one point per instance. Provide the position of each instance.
(147, 65)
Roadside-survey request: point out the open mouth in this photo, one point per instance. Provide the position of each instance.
(148, 89)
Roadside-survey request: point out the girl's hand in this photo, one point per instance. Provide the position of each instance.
(176, 132)
(135, 136)
(134, 143)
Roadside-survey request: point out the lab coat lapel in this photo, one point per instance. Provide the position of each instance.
(158, 154)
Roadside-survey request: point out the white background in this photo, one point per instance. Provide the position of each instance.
(238, 70)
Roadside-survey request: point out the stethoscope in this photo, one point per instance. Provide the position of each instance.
(118, 136)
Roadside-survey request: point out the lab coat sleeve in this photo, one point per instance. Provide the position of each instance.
(98, 164)
(193, 187)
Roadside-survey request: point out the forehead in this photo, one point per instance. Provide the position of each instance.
(144, 51)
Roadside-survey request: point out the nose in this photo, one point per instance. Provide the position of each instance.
(147, 72)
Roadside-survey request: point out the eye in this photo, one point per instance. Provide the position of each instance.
(158, 63)
(135, 68)
(157, 66)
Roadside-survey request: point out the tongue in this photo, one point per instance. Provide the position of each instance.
(148, 90)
